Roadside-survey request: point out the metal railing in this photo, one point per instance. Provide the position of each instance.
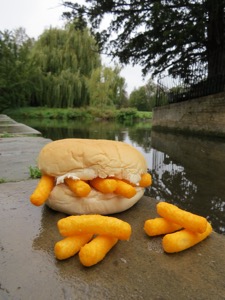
(172, 91)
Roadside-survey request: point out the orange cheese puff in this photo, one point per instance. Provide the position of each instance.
(104, 185)
(159, 226)
(124, 189)
(184, 239)
(70, 245)
(146, 180)
(43, 190)
(79, 187)
(94, 224)
(93, 252)
(186, 219)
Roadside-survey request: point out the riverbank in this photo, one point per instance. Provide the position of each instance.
(138, 269)
(104, 113)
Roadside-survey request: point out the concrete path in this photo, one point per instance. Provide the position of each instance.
(19, 148)
(137, 269)
(17, 155)
(9, 127)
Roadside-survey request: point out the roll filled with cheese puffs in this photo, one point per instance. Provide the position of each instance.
(85, 176)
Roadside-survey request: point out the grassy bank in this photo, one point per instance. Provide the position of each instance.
(79, 113)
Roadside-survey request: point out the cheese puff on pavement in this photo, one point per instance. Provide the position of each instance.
(158, 226)
(185, 219)
(94, 224)
(43, 190)
(95, 251)
(70, 245)
(79, 187)
(184, 239)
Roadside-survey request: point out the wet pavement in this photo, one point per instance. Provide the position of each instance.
(17, 155)
(9, 127)
(135, 269)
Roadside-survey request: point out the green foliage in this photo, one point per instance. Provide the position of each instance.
(34, 172)
(64, 60)
(144, 115)
(106, 87)
(62, 69)
(15, 70)
(48, 113)
(127, 115)
(6, 135)
(144, 97)
(138, 99)
(108, 113)
(159, 35)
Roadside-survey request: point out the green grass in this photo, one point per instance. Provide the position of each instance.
(34, 172)
(107, 113)
(6, 135)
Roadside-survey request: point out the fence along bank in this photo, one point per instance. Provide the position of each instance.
(194, 104)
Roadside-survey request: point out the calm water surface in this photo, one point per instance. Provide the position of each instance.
(187, 171)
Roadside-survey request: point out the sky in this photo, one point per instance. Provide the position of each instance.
(37, 15)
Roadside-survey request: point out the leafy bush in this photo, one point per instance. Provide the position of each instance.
(34, 172)
(106, 113)
(127, 114)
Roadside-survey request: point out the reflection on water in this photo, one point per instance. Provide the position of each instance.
(190, 172)
(187, 171)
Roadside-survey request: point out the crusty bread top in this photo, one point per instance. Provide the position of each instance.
(94, 158)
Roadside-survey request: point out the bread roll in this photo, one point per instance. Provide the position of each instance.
(87, 159)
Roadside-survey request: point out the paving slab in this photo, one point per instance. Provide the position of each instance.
(17, 154)
(135, 269)
(9, 127)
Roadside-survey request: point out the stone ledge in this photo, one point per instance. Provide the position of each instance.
(202, 116)
(137, 269)
(9, 127)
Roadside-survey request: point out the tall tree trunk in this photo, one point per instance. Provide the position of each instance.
(216, 37)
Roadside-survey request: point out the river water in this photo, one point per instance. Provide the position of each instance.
(187, 171)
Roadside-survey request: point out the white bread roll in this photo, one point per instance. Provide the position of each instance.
(63, 199)
(87, 159)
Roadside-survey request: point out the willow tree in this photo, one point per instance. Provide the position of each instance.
(107, 87)
(15, 84)
(64, 60)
